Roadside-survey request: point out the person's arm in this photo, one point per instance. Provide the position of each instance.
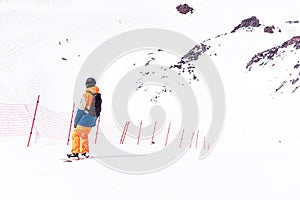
(80, 111)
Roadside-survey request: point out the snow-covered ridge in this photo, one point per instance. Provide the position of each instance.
(277, 55)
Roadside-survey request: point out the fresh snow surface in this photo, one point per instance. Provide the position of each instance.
(257, 156)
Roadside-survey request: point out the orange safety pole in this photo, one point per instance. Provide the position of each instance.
(36, 106)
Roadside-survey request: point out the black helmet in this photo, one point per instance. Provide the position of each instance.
(90, 82)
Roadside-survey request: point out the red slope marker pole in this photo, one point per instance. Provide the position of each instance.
(139, 136)
(36, 106)
(196, 146)
(71, 124)
(181, 138)
(153, 133)
(168, 135)
(125, 133)
(121, 139)
(191, 142)
(97, 129)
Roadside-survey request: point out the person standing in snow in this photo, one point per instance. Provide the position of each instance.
(85, 119)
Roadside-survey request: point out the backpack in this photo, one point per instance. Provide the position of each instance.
(96, 105)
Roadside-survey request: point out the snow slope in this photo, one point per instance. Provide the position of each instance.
(257, 155)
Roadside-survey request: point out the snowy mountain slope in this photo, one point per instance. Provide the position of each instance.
(269, 58)
(283, 55)
(257, 156)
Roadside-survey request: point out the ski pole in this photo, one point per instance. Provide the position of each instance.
(71, 124)
(97, 130)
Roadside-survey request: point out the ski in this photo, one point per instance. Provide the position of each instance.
(75, 159)
(66, 160)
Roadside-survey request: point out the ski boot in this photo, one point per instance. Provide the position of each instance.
(85, 155)
(73, 155)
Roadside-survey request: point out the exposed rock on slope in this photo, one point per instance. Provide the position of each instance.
(269, 29)
(184, 9)
(267, 58)
(292, 22)
(249, 22)
(270, 54)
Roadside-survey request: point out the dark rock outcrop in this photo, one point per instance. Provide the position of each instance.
(270, 53)
(294, 40)
(184, 9)
(292, 22)
(269, 29)
(249, 22)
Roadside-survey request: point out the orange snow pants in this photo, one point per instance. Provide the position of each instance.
(80, 140)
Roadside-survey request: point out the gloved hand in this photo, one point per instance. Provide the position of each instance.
(75, 125)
